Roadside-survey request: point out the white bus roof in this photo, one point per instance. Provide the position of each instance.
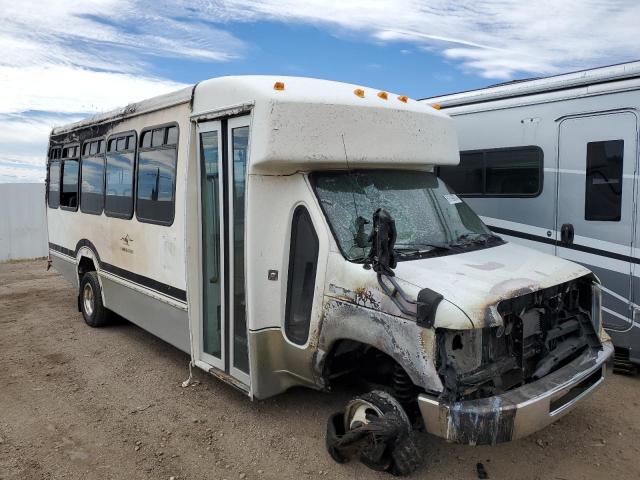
(520, 88)
(314, 124)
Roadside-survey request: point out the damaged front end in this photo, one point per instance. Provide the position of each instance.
(506, 381)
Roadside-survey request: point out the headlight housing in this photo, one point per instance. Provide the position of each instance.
(596, 307)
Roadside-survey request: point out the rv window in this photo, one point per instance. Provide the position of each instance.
(118, 200)
(92, 181)
(603, 189)
(514, 171)
(156, 180)
(500, 172)
(466, 177)
(69, 191)
(303, 259)
(54, 183)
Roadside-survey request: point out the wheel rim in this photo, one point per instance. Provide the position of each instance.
(88, 299)
(357, 412)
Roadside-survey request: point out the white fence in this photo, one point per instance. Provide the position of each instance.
(23, 225)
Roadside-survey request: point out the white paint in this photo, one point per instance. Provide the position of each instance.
(23, 225)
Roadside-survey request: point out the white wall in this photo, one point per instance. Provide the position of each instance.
(23, 225)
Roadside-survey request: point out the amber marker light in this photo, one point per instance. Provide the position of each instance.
(383, 95)
(278, 86)
(436, 106)
(359, 92)
(403, 98)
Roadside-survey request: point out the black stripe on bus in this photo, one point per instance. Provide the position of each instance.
(141, 280)
(573, 246)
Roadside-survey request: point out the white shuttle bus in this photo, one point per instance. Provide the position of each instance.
(291, 232)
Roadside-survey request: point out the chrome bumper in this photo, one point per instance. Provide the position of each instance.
(519, 412)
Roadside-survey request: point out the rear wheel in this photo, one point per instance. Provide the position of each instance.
(93, 311)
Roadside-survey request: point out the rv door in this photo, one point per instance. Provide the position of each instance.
(597, 156)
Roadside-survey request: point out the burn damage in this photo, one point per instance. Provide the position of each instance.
(540, 332)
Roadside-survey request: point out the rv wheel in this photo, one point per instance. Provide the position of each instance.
(93, 311)
(376, 427)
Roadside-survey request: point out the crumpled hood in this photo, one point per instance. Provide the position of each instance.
(476, 281)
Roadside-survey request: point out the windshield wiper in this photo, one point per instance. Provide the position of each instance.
(467, 238)
(430, 248)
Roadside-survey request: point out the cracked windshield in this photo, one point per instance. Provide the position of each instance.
(428, 216)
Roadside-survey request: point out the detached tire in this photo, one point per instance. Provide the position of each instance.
(384, 417)
(93, 311)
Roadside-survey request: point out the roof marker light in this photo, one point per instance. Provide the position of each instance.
(436, 106)
(403, 98)
(359, 92)
(278, 86)
(383, 95)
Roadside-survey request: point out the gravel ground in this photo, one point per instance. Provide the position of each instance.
(85, 403)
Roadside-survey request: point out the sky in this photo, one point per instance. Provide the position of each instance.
(63, 60)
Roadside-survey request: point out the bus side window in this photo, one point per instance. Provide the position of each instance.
(92, 175)
(303, 260)
(119, 164)
(70, 171)
(155, 202)
(54, 184)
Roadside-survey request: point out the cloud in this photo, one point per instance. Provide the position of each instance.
(65, 59)
(62, 59)
(493, 38)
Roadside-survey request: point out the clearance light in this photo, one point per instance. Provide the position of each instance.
(403, 98)
(278, 86)
(359, 92)
(436, 106)
(383, 95)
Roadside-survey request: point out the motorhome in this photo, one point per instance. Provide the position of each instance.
(291, 232)
(552, 163)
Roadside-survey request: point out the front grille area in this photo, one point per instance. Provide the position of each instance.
(541, 332)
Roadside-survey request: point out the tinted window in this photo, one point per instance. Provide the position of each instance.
(119, 181)
(510, 172)
(240, 142)
(303, 259)
(69, 191)
(466, 177)
(92, 187)
(603, 189)
(156, 180)
(54, 184)
(513, 171)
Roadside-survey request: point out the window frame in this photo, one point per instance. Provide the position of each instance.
(104, 171)
(139, 149)
(299, 210)
(484, 152)
(63, 160)
(53, 158)
(133, 173)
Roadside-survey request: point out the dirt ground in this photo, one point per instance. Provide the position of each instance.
(85, 403)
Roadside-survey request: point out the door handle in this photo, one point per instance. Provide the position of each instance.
(566, 234)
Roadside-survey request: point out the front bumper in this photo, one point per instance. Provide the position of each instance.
(519, 412)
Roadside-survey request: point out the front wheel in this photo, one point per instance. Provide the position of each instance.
(93, 311)
(376, 427)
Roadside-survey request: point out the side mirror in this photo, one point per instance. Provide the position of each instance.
(383, 240)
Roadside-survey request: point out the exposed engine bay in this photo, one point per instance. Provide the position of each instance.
(541, 332)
